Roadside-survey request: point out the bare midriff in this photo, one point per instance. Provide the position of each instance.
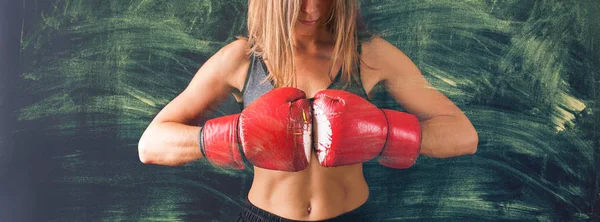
(316, 193)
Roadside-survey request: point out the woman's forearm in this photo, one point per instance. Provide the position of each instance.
(169, 144)
(448, 136)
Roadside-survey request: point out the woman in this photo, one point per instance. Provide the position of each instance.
(309, 45)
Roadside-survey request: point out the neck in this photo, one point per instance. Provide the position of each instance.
(312, 42)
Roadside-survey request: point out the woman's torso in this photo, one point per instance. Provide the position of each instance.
(317, 192)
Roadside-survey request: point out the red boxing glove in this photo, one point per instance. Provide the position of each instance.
(274, 132)
(351, 130)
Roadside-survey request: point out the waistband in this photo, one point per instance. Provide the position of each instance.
(255, 214)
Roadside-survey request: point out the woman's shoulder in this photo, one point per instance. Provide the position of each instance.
(240, 46)
(234, 53)
(233, 61)
(377, 45)
(374, 52)
(379, 53)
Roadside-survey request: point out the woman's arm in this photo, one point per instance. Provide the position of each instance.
(446, 131)
(172, 137)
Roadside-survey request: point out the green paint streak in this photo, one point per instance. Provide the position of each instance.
(522, 71)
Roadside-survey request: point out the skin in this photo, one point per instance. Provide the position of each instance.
(317, 192)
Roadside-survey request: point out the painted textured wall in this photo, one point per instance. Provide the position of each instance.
(524, 72)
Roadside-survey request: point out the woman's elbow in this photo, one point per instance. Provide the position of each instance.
(472, 143)
(143, 151)
(469, 145)
(147, 151)
(150, 153)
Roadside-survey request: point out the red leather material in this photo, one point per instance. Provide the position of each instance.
(404, 140)
(275, 130)
(350, 130)
(221, 145)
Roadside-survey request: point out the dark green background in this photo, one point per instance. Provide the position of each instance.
(82, 79)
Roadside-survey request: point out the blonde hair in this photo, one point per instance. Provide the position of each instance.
(270, 26)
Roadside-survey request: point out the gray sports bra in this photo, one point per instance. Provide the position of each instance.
(254, 87)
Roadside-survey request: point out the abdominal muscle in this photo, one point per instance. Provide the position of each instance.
(316, 193)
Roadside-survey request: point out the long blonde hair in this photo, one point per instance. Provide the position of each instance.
(270, 25)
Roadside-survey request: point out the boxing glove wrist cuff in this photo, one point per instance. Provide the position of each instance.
(201, 142)
(220, 142)
(403, 143)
